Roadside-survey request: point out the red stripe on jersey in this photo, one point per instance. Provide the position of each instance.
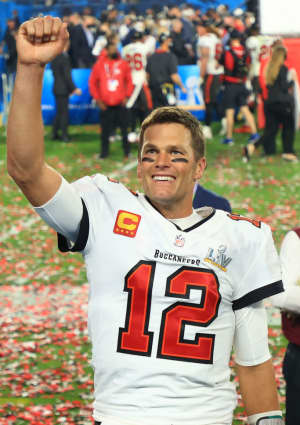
(148, 96)
(207, 88)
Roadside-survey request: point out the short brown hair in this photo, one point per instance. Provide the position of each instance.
(173, 114)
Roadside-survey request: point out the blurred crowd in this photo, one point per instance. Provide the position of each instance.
(225, 44)
(88, 33)
(180, 21)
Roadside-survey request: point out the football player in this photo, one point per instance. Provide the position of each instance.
(172, 288)
(259, 47)
(209, 49)
(140, 102)
(236, 60)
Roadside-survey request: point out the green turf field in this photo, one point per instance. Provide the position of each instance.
(44, 356)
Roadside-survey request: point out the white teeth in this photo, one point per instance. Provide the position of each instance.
(163, 178)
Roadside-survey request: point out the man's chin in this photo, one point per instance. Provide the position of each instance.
(162, 200)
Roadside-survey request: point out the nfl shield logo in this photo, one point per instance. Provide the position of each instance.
(179, 241)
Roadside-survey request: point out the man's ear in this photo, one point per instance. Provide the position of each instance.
(200, 168)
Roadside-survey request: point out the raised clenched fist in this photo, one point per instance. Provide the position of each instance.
(41, 39)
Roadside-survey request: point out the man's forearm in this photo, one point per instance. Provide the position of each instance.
(203, 67)
(25, 147)
(258, 387)
(177, 80)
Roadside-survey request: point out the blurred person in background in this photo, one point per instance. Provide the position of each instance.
(63, 88)
(250, 22)
(9, 46)
(140, 102)
(16, 18)
(209, 50)
(289, 303)
(162, 73)
(149, 39)
(83, 37)
(238, 18)
(222, 9)
(103, 35)
(216, 18)
(87, 11)
(73, 20)
(260, 47)
(277, 83)
(236, 61)
(112, 15)
(111, 86)
(188, 30)
(125, 27)
(162, 25)
(253, 45)
(137, 25)
(182, 50)
(228, 23)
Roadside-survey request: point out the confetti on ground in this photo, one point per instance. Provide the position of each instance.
(45, 353)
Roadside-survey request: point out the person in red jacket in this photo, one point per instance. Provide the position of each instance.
(236, 61)
(111, 85)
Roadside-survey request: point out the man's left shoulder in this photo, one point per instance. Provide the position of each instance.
(244, 231)
(245, 222)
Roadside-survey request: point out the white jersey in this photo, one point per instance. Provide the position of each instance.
(150, 43)
(99, 45)
(214, 44)
(136, 55)
(259, 47)
(289, 257)
(162, 304)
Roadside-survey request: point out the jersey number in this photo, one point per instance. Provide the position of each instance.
(135, 337)
(135, 61)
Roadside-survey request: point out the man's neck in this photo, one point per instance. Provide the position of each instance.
(171, 213)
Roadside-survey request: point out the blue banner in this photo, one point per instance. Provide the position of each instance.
(193, 99)
(83, 111)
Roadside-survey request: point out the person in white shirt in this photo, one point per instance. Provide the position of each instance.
(209, 49)
(140, 102)
(289, 303)
(172, 288)
(259, 46)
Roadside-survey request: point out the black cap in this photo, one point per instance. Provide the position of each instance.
(254, 27)
(163, 37)
(236, 34)
(204, 23)
(137, 35)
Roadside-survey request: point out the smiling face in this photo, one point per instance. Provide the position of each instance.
(168, 169)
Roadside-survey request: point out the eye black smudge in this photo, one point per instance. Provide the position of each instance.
(180, 160)
(146, 159)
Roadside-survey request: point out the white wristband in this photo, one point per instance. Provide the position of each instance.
(273, 417)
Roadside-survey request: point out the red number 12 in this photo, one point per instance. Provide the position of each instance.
(135, 337)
